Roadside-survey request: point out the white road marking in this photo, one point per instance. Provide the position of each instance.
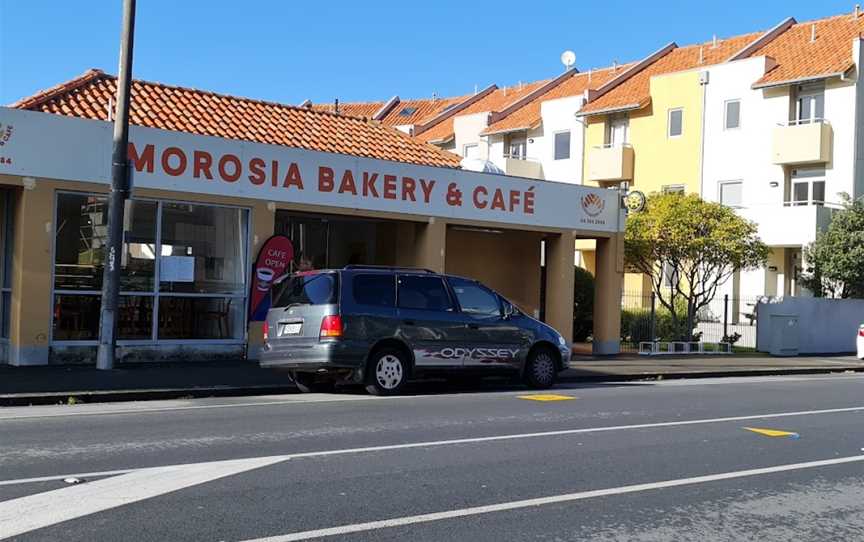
(104, 409)
(32, 512)
(471, 440)
(542, 501)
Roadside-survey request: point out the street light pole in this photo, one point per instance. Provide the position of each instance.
(120, 188)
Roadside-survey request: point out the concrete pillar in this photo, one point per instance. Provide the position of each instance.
(607, 295)
(430, 243)
(31, 315)
(560, 252)
(263, 224)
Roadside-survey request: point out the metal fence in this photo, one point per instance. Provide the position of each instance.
(725, 319)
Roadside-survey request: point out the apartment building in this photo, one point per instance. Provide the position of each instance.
(767, 122)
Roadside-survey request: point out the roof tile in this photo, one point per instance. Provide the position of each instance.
(167, 107)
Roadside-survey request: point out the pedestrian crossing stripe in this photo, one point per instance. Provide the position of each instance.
(546, 397)
(772, 432)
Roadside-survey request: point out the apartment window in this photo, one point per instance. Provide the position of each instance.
(676, 122)
(562, 145)
(730, 193)
(809, 103)
(670, 275)
(471, 150)
(732, 115)
(673, 189)
(617, 130)
(517, 148)
(807, 186)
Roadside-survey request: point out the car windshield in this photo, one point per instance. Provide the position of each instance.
(306, 289)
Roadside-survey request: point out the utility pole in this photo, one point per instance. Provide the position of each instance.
(121, 187)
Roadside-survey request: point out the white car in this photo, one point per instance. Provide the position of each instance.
(861, 341)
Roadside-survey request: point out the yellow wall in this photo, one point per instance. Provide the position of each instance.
(658, 159)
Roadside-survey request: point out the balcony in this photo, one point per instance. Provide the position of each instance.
(802, 142)
(519, 166)
(790, 224)
(610, 163)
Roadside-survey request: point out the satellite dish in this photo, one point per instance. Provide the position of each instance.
(568, 58)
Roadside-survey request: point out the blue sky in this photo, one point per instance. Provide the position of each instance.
(357, 51)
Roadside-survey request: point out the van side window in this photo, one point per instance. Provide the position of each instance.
(474, 299)
(377, 289)
(423, 293)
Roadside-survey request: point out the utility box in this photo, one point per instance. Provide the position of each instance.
(784, 335)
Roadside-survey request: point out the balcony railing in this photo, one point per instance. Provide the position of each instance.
(802, 141)
(610, 162)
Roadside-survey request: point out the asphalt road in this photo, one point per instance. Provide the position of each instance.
(636, 461)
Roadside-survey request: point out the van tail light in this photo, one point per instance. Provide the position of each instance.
(331, 326)
(861, 331)
(266, 330)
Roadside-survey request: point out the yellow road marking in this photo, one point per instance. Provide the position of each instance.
(772, 432)
(546, 397)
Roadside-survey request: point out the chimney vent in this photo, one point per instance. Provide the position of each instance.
(857, 10)
(812, 32)
(336, 105)
(714, 42)
(701, 55)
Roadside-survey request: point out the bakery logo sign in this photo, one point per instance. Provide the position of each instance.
(593, 204)
(6, 131)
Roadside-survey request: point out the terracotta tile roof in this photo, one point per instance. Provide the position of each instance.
(496, 100)
(166, 107)
(528, 116)
(351, 109)
(800, 58)
(635, 91)
(414, 111)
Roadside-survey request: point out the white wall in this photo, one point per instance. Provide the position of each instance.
(825, 326)
(467, 128)
(559, 115)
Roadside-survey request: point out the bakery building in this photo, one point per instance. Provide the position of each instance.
(214, 177)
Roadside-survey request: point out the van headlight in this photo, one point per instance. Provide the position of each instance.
(561, 340)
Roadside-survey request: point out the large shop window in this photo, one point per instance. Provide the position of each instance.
(183, 270)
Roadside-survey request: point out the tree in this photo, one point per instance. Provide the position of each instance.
(835, 261)
(689, 247)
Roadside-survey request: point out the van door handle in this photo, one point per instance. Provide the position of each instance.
(408, 322)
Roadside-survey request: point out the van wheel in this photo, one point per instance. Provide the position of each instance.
(387, 372)
(540, 371)
(307, 383)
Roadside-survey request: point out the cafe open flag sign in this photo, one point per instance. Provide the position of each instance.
(270, 268)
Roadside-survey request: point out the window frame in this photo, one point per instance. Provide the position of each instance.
(555, 144)
(726, 127)
(721, 184)
(620, 120)
(154, 293)
(672, 110)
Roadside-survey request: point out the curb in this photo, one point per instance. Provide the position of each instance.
(706, 374)
(114, 396)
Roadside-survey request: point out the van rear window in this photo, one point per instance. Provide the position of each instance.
(314, 289)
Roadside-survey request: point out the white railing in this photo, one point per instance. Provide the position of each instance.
(520, 157)
(799, 122)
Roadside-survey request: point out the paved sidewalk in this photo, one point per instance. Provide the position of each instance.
(55, 384)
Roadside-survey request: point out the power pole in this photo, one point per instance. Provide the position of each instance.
(121, 187)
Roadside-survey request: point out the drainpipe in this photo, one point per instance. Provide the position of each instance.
(703, 82)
